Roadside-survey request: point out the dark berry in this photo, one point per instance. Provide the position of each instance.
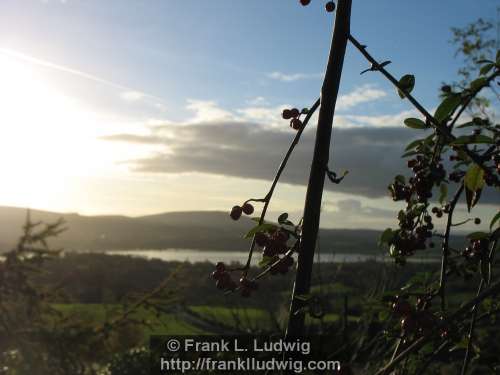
(330, 6)
(286, 114)
(247, 209)
(220, 267)
(296, 124)
(295, 112)
(261, 239)
(477, 221)
(236, 212)
(305, 2)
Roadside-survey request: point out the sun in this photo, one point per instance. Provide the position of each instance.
(47, 138)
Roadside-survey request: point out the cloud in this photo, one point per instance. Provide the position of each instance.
(354, 207)
(219, 142)
(259, 100)
(362, 94)
(132, 96)
(252, 150)
(284, 77)
(207, 111)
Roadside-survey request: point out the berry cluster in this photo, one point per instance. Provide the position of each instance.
(294, 116)
(329, 6)
(236, 211)
(426, 174)
(477, 249)
(273, 245)
(223, 278)
(247, 287)
(414, 320)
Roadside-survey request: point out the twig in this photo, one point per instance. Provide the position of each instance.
(281, 168)
(442, 130)
(446, 245)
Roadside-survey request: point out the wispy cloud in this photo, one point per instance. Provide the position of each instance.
(132, 96)
(362, 94)
(284, 77)
(75, 72)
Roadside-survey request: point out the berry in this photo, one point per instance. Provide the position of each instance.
(330, 6)
(261, 239)
(236, 212)
(286, 114)
(247, 209)
(401, 307)
(305, 2)
(295, 112)
(220, 267)
(296, 124)
(477, 221)
(446, 88)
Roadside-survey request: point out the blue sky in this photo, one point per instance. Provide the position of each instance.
(105, 70)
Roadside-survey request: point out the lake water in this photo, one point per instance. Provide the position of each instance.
(197, 256)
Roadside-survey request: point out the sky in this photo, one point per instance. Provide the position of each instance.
(140, 107)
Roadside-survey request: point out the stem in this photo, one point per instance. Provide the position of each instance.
(281, 168)
(471, 331)
(329, 92)
(419, 343)
(446, 245)
(441, 130)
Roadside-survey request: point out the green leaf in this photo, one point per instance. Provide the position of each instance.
(474, 178)
(477, 235)
(303, 297)
(266, 227)
(305, 111)
(494, 220)
(498, 57)
(443, 193)
(407, 82)
(409, 153)
(386, 236)
(415, 123)
(486, 68)
(447, 107)
(413, 144)
(478, 83)
(283, 218)
(265, 261)
(400, 178)
(466, 125)
(469, 139)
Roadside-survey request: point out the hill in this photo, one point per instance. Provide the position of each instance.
(204, 230)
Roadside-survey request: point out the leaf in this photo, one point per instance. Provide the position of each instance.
(266, 227)
(447, 107)
(305, 111)
(477, 235)
(303, 297)
(283, 218)
(494, 220)
(413, 144)
(466, 125)
(407, 82)
(478, 83)
(486, 68)
(415, 123)
(498, 57)
(469, 139)
(474, 178)
(400, 178)
(385, 237)
(443, 193)
(409, 153)
(265, 261)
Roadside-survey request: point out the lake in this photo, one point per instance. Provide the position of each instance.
(197, 256)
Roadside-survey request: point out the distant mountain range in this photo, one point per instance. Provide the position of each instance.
(204, 230)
